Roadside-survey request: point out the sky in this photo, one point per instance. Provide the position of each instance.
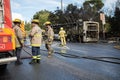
(25, 9)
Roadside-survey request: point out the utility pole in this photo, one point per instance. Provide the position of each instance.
(61, 5)
(102, 18)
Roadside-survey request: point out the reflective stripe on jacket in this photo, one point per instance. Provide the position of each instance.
(36, 36)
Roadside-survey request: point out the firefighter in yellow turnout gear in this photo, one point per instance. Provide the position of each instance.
(62, 35)
(18, 40)
(22, 27)
(49, 38)
(36, 41)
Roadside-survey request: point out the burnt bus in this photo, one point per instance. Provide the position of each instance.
(90, 31)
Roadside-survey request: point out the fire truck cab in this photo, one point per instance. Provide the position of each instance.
(7, 36)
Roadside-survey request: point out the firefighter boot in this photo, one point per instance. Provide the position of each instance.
(18, 63)
(38, 59)
(33, 61)
(49, 54)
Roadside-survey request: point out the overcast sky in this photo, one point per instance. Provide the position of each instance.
(25, 9)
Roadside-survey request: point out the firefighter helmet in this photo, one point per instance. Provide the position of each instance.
(35, 21)
(17, 20)
(47, 23)
(61, 28)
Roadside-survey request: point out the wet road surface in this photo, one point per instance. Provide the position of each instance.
(64, 68)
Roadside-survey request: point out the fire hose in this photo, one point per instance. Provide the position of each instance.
(102, 59)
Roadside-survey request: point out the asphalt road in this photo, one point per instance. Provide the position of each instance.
(63, 68)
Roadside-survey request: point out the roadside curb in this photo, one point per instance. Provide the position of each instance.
(117, 47)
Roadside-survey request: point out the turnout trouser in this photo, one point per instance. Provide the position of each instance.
(36, 53)
(49, 48)
(18, 53)
(63, 41)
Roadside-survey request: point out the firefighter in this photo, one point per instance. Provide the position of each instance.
(49, 38)
(36, 41)
(62, 35)
(18, 40)
(22, 27)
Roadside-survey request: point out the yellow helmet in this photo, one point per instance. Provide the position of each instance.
(35, 21)
(17, 20)
(47, 23)
(61, 28)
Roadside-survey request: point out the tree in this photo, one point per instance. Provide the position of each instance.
(72, 14)
(115, 22)
(53, 18)
(91, 9)
(42, 16)
(27, 26)
(118, 4)
(107, 27)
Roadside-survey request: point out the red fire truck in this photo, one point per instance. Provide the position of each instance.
(7, 36)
